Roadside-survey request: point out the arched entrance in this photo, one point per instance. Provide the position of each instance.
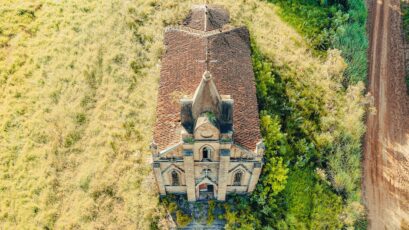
(206, 190)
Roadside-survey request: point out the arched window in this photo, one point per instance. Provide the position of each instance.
(175, 178)
(206, 153)
(237, 178)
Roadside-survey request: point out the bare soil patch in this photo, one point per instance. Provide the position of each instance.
(386, 159)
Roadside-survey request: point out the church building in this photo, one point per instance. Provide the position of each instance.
(207, 142)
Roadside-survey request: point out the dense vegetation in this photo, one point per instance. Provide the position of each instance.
(77, 98)
(339, 24)
(311, 179)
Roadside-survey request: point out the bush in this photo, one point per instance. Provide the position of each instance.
(210, 212)
(239, 214)
(182, 219)
(72, 138)
(310, 204)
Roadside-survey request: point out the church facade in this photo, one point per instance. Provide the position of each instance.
(207, 142)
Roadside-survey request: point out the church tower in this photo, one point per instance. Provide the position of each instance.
(207, 141)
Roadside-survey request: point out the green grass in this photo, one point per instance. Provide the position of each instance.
(328, 24)
(310, 18)
(352, 40)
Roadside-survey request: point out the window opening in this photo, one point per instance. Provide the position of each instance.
(237, 178)
(206, 153)
(175, 178)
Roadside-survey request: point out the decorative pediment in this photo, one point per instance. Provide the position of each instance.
(205, 180)
(173, 167)
(240, 167)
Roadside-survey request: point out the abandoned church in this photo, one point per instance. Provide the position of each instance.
(207, 142)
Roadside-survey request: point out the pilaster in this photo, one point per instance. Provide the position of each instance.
(189, 174)
(158, 177)
(254, 177)
(223, 174)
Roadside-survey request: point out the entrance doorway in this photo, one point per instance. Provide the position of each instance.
(206, 191)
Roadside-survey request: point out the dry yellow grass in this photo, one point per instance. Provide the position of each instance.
(78, 82)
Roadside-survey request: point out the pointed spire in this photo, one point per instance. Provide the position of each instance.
(206, 97)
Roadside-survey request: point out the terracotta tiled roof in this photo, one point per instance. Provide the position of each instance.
(182, 69)
(206, 18)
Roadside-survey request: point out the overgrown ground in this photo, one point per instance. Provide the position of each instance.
(78, 82)
(78, 86)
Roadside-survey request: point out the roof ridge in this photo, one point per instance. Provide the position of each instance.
(199, 32)
(207, 17)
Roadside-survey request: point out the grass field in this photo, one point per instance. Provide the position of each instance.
(78, 85)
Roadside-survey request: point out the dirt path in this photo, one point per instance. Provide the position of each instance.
(386, 159)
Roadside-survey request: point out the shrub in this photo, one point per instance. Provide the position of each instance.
(310, 204)
(182, 219)
(212, 117)
(172, 207)
(239, 214)
(80, 118)
(189, 140)
(210, 211)
(72, 138)
(225, 140)
(84, 183)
